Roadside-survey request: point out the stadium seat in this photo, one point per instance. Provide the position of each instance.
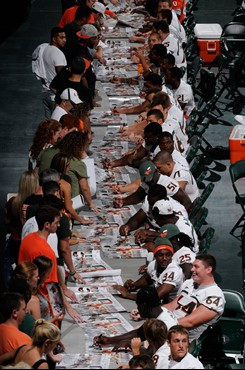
(237, 172)
(199, 219)
(199, 202)
(206, 239)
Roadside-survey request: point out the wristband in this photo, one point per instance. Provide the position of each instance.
(72, 273)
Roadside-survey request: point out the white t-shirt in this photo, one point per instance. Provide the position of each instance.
(184, 94)
(171, 185)
(188, 362)
(172, 275)
(52, 57)
(30, 226)
(181, 173)
(58, 113)
(186, 227)
(184, 255)
(191, 298)
(174, 47)
(161, 357)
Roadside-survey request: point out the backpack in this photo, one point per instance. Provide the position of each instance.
(37, 62)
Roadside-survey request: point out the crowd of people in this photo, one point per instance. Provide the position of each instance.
(176, 293)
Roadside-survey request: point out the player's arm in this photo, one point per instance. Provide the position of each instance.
(183, 198)
(171, 306)
(198, 317)
(133, 223)
(164, 290)
(134, 198)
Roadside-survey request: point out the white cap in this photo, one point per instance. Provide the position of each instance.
(164, 207)
(70, 94)
(100, 8)
(240, 119)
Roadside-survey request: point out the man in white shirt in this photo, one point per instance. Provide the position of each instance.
(166, 142)
(178, 341)
(182, 91)
(65, 102)
(170, 42)
(53, 61)
(167, 166)
(176, 29)
(168, 4)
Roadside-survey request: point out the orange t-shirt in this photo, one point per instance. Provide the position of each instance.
(68, 16)
(12, 338)
(33, 246)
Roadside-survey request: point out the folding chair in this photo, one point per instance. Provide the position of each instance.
(200, 179)
(224, 342)
(195, 143)
(206, 239)
(237, 172)
(200, 218)
(199, 202)
(243, 259)
(193, 70)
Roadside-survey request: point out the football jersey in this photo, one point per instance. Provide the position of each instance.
(171, 185)
(186, 227)
(174, 47)
(188, 362)
(191, 297)
(161, 357)
(184, 94)
(172, 275)
(179, 158)
(180, 173)
(177, 208)
(184, 255)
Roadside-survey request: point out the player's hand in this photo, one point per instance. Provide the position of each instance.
(140, 236)
(124, 230)
(150, 246)
(118, 202)
(101, 340)
(142, 269)
(129, 285)
(121, 289)
(117, 80)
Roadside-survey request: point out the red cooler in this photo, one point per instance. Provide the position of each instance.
(237, 143)
(208, 40)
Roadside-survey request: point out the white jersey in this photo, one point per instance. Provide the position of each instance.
(171, 185)
(178, 208)
(179, 134)
(52, 57)
(177, 25)
(179, 32)
(30, 226)
(161, 357)
(186, 227)
(188, 362)
(184, 255)
(191, 297)
(172, 275)
(180, 174)
(184, 94)
(174, 47)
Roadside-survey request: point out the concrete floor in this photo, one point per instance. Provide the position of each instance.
(21, 111)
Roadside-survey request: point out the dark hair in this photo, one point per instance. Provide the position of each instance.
(155, 331)
(153, 90)
(144, 361)
(20, 286)
(177, 329)
(59, 163)
(176, 72)
(161, 26)
(160, 50)
(77, 65)
(208, 261)
(166, 134)
(154, 128)
(73, 144)
(184, 240)
(167, 14)
(9, 302)
(46, 214)
(170, 2)
(50, 174)
(157, 191)
(148, 297)
(50, 187)
(161, 98)
(43, 264)
(151, 7)
(55, 31)
(83, 11)
(154, 79)
(170, 58)
(155, 112)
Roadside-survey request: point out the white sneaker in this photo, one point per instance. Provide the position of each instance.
(240, 119)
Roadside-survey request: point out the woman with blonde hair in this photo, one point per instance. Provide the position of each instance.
(28, 184)
(45, 339)
(46, 135)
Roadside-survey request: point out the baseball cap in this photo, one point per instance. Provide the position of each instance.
(147, 170)
(162, 244)
(169, 231)
(100, 8)
(87, 31)
(164, 207)
(70, 94)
